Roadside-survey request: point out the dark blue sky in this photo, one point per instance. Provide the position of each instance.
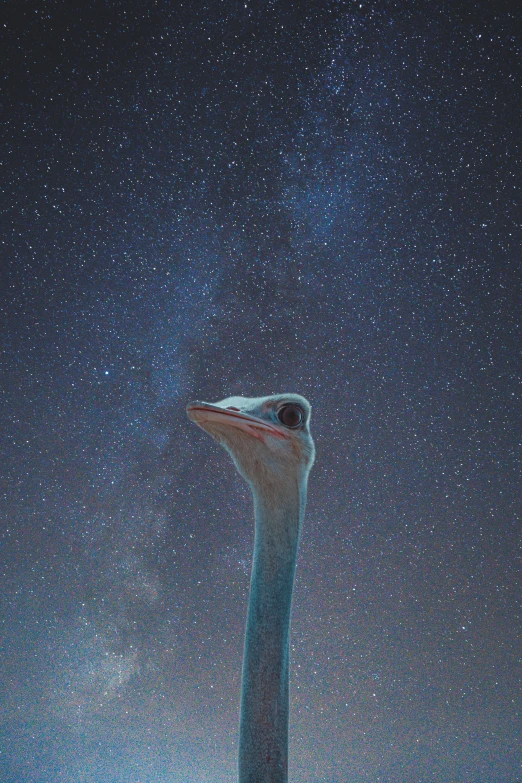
(207, 199)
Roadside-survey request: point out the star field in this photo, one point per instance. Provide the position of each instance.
(201, 200)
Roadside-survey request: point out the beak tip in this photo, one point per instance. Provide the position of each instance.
(191, 410)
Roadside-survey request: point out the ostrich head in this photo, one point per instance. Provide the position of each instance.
(267, 437)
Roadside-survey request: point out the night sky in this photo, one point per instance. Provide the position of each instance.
(205, 199)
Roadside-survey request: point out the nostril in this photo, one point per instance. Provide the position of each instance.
(231, 408)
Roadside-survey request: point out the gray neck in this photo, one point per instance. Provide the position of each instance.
(263, 734)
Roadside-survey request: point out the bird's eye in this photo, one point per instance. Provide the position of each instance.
(290, 415)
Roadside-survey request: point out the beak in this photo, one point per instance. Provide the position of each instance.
(204, 412)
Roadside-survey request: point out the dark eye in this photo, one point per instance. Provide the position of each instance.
(290, 415)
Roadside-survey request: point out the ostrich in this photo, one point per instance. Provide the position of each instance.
(269, 441)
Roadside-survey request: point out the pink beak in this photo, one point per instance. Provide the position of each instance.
(201, 412)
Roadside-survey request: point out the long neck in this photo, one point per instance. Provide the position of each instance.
(263, 734)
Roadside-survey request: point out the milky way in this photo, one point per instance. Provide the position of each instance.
(200, 200)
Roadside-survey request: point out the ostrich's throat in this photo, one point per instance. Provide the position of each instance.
(263, 751)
